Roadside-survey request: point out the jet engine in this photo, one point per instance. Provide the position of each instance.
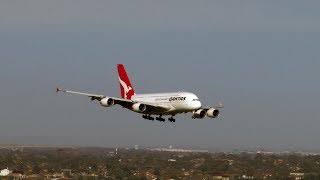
(199, 114)
(138, 107)
(106, 102)
(213, 113)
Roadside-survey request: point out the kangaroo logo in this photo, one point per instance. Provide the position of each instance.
(126, 88)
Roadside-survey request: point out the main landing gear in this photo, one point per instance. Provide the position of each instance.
(160, 118)
(148, 117)
(171, 119)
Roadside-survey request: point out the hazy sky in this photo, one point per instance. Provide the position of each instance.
(260, 58)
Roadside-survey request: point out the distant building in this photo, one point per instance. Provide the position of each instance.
(150, 176)
(296, 176)
(267, 175)
(5, 172)
(179, 150)
(278, 162)
(265, 152)
(221, 177)
(66, 172)
(247, 176)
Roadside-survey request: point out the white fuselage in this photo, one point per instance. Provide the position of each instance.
(178, 102)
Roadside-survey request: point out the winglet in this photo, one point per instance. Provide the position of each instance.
(57, 90)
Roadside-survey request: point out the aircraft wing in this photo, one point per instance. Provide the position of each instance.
(92, 96)
(219, 106)
(126, 103)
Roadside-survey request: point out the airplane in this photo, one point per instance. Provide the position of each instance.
(159, 104)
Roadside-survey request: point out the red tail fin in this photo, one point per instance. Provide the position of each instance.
(125, 85)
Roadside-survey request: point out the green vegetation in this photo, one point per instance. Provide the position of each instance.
(103, 163)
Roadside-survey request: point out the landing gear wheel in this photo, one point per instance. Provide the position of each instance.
(160, 119)
(147, 117)
(171, 119)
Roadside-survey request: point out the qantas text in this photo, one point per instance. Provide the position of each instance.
(177, 99)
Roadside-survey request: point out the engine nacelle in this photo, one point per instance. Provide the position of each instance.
(199, 114)
(106, 102)
(213, 113)
(138, 107)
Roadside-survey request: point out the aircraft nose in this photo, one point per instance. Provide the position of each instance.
(197, 105)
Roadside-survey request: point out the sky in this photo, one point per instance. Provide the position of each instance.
(259, 58)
